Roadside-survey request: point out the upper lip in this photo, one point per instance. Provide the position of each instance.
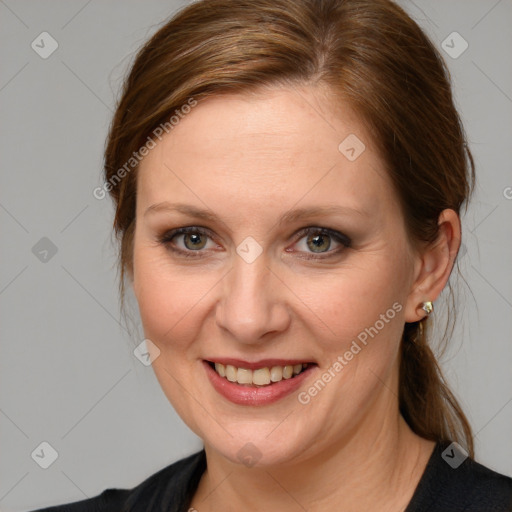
(254, 365)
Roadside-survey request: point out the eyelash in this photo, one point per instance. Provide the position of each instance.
(344, 240)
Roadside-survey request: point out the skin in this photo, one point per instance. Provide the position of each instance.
(249, 159)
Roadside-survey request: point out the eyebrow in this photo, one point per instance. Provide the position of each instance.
(286, 218)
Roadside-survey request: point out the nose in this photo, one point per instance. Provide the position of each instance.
(253, 302)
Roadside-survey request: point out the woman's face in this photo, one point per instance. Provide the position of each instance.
(303, 258)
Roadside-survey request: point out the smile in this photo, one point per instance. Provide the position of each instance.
(257, 384)
(258, 377)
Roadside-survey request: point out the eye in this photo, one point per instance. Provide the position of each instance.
(187, 240)
(315, 240)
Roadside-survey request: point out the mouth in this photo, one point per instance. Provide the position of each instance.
(258, 377)
(257, 384)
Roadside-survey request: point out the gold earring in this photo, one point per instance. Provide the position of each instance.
(428, 307)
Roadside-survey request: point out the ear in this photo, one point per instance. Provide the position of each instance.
(434, 264)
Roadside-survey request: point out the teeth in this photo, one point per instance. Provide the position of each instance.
(287, 372)
(276, 373)
(244, 376)
(221, 370)
(231, 372)
(259, 377)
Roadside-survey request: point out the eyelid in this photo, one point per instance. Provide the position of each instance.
(168, 235)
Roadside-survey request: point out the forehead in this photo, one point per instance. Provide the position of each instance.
(266, 151)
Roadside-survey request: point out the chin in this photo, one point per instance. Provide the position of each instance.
(258, 443)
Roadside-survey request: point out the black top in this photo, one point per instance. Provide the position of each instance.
(470, 487)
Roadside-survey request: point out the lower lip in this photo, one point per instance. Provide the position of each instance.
(248, 395)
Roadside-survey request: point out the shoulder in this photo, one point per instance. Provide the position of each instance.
(169, 489)
(452, 482)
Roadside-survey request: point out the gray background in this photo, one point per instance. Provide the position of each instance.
(68, 374)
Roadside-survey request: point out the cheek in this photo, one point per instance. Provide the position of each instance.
(360, 317)
(169, 300)
(170, 310)
(355, 298)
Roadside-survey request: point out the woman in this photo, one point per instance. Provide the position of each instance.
(288, 178)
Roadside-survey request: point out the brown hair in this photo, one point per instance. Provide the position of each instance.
(369, 53)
